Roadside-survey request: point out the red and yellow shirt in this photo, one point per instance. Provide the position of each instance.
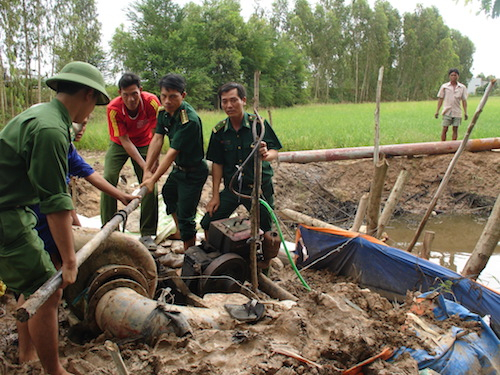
(139, 128)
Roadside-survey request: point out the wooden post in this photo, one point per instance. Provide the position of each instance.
(375, 197)
(360, 213)
(486, 244)
(392, 201)
(256, 243)
(377, 117)
(425, 253)
(270, 117)
(447, 175)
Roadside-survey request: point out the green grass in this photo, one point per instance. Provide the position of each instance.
(322, 126)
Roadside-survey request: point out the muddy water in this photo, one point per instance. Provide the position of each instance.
(455, 238)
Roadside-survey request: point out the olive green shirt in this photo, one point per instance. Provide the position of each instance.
(231, 148)
(185, 133)
(34, 159)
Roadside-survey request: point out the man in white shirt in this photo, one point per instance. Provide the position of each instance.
(451, 93)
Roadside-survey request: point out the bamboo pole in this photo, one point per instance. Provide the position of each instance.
(392, 201)
(377, 117)
(256, 243)
(447, 175)
(375, 197)
(360, 213)
(37, 299)
(486, 244)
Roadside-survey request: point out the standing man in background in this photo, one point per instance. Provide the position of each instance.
(182, 190)
(33, 167)
(131, 121)
(451, 94)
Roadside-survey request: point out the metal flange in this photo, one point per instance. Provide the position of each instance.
(113, 272)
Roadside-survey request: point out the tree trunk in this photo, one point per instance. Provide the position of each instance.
(39, 64)
(486, 244)
(3, 106)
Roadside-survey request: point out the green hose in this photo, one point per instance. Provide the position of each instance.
(292, 263)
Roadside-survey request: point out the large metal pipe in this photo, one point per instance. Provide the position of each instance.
(405, 149)
(124, 313)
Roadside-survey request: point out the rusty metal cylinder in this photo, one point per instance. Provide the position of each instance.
(124, 313)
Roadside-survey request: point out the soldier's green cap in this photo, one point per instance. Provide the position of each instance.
(84, 74)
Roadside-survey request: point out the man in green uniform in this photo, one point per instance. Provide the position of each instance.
(182, 190)
(33, 167)
(229, 146)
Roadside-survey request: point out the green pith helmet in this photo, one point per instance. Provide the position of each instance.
(84, 74)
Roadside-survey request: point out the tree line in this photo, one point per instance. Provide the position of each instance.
(327, 52)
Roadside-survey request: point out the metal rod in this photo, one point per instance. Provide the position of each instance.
(37, 299)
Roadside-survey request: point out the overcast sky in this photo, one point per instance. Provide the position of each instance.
(482, 31)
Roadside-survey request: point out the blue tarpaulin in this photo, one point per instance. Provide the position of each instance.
(392, 272)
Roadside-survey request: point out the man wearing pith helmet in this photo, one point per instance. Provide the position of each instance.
(33, 167)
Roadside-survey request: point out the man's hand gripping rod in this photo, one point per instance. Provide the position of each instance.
(37, 299)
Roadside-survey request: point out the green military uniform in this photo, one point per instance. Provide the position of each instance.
(182, 190)
(231, 148)
(33, 167)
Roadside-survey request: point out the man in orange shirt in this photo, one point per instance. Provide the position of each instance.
(131, 121)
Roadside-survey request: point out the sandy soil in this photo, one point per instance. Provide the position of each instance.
(321, 327)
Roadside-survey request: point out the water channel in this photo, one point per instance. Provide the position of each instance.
(454, 241)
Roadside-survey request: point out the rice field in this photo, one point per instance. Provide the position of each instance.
(322, 126)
